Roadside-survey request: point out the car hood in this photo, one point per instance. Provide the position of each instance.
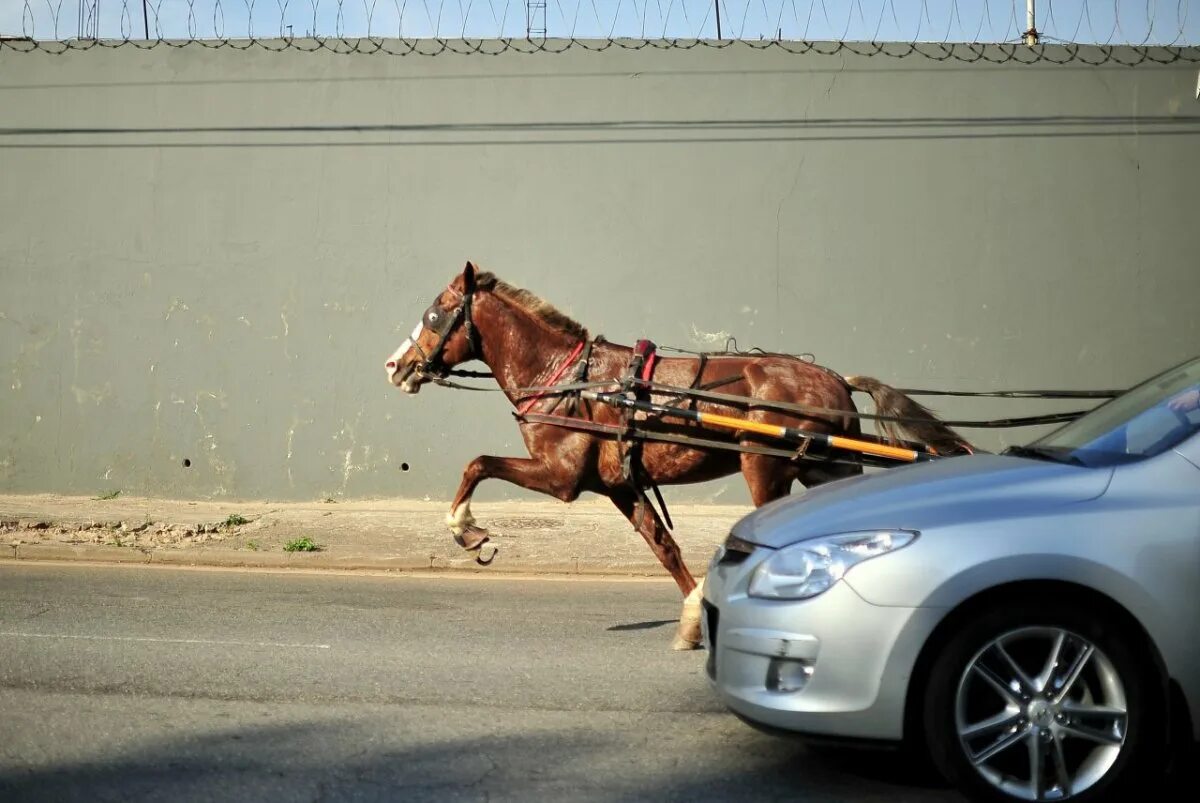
(922, 496)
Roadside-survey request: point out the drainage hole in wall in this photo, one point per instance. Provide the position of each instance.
(187, 463)
(404, 466)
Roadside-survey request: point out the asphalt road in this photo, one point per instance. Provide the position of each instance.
(133, 683)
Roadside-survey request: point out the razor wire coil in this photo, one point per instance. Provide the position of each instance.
(1093, 32)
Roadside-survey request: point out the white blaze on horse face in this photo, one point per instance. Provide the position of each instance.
(393, 363)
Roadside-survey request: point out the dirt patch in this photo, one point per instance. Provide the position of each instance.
(527, 523)
(117, 532)
(534, 535)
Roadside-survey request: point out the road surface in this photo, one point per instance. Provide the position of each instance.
(136, 683)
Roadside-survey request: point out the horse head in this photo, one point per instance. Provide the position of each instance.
(444, 337)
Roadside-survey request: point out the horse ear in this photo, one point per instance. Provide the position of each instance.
(469, 277)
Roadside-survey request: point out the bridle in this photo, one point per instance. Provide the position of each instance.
(431, 363)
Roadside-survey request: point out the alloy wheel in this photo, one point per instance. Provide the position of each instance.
(1041, 713)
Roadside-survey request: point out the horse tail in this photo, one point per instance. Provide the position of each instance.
(921, 424)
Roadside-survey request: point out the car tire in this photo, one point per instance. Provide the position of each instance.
(983, 695)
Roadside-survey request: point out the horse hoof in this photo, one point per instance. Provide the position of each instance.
(688, 633)
(471, 538)
(491, 552)
(680, 644)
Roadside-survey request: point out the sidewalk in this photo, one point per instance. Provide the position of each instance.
(585, 537)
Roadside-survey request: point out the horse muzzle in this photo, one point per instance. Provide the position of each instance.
(404, 377)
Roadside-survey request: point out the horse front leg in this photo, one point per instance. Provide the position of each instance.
(645, 520)
(532, 475)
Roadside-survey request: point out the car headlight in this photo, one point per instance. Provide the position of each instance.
(809, 568)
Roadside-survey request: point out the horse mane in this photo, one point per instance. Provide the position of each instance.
(534, 305)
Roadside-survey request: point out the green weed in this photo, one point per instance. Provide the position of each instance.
(107, 496)
(301, 544)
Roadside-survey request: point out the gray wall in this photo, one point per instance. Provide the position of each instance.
(217, 270)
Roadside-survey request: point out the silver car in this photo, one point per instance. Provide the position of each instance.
(1030, 620)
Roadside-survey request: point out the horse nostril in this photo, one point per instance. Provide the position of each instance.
(391, 364)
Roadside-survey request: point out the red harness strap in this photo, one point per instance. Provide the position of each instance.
(557, 375)
(645, 355)
(648, 366)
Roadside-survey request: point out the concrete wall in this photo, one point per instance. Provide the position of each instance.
(215, 267)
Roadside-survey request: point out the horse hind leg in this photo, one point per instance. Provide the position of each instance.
(646, 521)
(769, 478)
(688, 635)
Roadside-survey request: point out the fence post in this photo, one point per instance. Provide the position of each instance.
(1031, 34)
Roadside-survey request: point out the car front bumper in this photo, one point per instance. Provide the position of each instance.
(833, 665)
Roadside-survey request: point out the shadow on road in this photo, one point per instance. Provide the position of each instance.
(335, 761)
(640, 625)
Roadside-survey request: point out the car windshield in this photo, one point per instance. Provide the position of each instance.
(1147, 420)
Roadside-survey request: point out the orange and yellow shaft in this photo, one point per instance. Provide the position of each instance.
(772, 430)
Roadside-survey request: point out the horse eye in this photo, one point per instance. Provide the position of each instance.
(433, 316)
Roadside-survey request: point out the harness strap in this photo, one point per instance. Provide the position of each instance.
(649, 357)
(471, 374)
(688, 396)
(810, 410)
(523, 393)
(429, 362)
(1017, 394)
(615, 431)
(581, 373)
(557, 375)
(638, 379)
(699, 375)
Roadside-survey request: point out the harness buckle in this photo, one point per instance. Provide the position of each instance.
(802, 449)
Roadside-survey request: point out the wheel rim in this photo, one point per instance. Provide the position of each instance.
(1041, 713)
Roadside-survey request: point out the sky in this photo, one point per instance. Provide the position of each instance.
(1091, 21)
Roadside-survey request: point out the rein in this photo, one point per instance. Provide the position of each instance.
(728, 399)
(795, 407)
(1018, 394)
(522, 393)
(529, 396)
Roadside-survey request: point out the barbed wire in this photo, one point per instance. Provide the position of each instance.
(1126, 32)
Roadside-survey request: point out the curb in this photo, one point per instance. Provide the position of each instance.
(88, 552)
(318, 561)
(230, 558)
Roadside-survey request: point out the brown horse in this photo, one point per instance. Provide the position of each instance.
(526, 343)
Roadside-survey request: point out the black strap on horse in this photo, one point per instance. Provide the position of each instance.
(1017, 394)
(472, 343)
(699, 375)
(580, 376)
(639, 373)
(794, 408)
(431, 363)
